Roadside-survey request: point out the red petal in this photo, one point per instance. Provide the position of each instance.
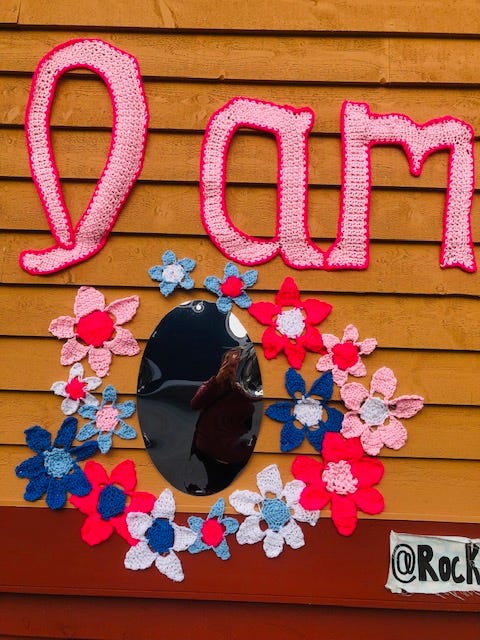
(288, 294)
(141, 501)
(96, 474)
(316, 310)
(369, 501)
(120, 526)
(86, 504)
(312, 340)
(264, 312)
(272, 343)
(336, 447)
(307, 469)
(315, 497)
(124, 475)
(295, 354)
(96, 530)
(368, 471)
(344, 514)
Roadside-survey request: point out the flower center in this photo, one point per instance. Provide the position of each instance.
(95, 328)
(345, 355)
(160, 535)
(291, 323)
(75, 389)
(232, 287)
(58, 462)
(111, 502)
(173, 273)
(374, 411)
(212, 532)
(107, 418)
(275, 513)
(308, 411)
(339, 479)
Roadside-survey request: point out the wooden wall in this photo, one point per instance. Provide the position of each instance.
(421, 59)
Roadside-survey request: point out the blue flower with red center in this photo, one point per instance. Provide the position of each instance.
(213, 530)
(232, 288)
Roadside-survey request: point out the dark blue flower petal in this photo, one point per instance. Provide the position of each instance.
(294, 383)
(38, 439)
(323, 386)
(316, 437)
(280, 411)
(56, 493)
(66, 434)
(31, 467)
(291, 437)
(84, 451)
(334, 419)
(77, 483)
(36, 488)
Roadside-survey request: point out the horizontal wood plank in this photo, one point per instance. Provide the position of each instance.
(9, 11)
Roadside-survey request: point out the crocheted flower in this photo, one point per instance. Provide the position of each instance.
(212, 531)
(344, 478)
(232, 288)
(109, 502)
(54, 469)
(173, 273)
(375, 419)
(159, 538)
(96, 330)
(290, 324)
(105, 419)
(278, 515)
(76, 389)
(314, 415)
(343, 356)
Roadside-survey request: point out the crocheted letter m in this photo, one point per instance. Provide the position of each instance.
(120, 72)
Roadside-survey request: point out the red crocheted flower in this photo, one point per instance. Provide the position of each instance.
(290, 322)
(109, 502)
(345, 479)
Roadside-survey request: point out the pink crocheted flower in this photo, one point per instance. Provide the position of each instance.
(96, 330)
(375, 419)
(344, 356)
(345, 478)
(107, 505)
(290, 322)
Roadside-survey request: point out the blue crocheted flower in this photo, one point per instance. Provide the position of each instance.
(232, 288)
(173, 273)
(106, 420)
(314, 415)
(54, 470)
(213, 531)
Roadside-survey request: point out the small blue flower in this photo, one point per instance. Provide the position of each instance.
(173, 273)
(232, 288)
(213, 530)
(54, 470)
(307, 411)
(105, 419)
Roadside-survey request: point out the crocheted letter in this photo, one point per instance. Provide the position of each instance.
(362, 129)
(290, 127)
(120, 72)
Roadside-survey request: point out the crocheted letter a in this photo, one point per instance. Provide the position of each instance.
(120, 72)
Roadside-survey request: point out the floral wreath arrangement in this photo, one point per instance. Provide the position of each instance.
(343, 473)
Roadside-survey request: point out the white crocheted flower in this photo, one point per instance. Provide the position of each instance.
(76, 389)
(159, 537)
(277, 514)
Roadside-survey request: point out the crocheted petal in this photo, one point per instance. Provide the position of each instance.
(88, 299)
(95, 530)
(123, 309)
(316, 310)
(353, 394)
(56, 493)
(358, 370)
(294, 383)
(188, 264)
(406, 406)
(126, 432)
(371, 441)
(38, 439)
(230, 524)
(218, 509)
(141, 501)
(187, 282)
(62, 327)
(76, 371)
(367, 346)
(249, 531)
(66, 433)
(323, 386)
(164, 506)
(169, 257)
(224, 304)
(77, 483)
(250, 277)
(90, 399)
(245, 501)
(273, 543)
(183, 537)
(344, 514)
(243, 301)
(104, 441)
(384, 382)
(272, 343)
(86, 504)
(195, 523)
(156, 273)
(36, 488)
(339, 377)
(231, 269)
(280, 411)
(69, 406)
(315, 437)
(295, 354)
(211, 283)
(58, 388)
(120, 525)
(170, 566)
(264, 312)
(336, 448)
(31, 467)
(124, 474)
(350, 334)
(140, 556)
(315, 497)
(168, 287)
(369, 501)
(88, 411)
(329, 341)
(123, 344)
(292, 492)
(198, 546)
(73, 351)
(306, 469)
(393, 434)
(138, 523)
(325, 363)
(352, 426)
(269, 481)
(222, 551)
(311, 339)
(305, 515)
(100, 359)
(288, 294)
(291, 437)
(368, 471)
(334, 420)
(87, 431)
(293, 534)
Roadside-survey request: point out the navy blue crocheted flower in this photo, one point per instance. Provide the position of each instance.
(54, 470)
(313, 415)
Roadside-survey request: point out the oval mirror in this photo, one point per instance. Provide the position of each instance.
(199, 398)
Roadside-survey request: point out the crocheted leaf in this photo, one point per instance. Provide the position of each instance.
(323, 386)
(294, 383)
(291, 437)
(280, 411)
(38, 439)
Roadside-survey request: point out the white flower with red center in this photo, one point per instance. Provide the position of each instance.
(96, 330)
(344, 356)
(76, 390)
(375, 419)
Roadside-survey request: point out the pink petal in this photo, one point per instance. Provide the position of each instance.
(372, 441)
(124, 309)
(352, 426)
(96, 530)
(99, 360)
(384, 382)
(393, 434)
(62, 327)
(316, 310)
(315, 497)
(367, 346)
(264, 312)
(329, 341)
(306, 469)
(123, 343)
(350, 334)
(358, 369)
(73, 351)
(288, 294)
(369, 501)
(354, 395)
(339, 377)
(406, 406)
(88, 299)
(124, 474)
(96, 474)
(272, 343)
(368, 471)
(325, 363)
(344, 514)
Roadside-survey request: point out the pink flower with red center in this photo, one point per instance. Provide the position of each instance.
(96, 330)
(344, 356)
(374, 419)
(109, 502)
(290, 324)
(76, 390)
(344, 479)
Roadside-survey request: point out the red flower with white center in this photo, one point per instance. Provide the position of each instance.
(344, 356)
(76, 390)
(345, 478)
(290, 324)
(109, 502)
(95, 330)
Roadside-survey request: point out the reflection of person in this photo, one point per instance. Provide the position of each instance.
(220, 441)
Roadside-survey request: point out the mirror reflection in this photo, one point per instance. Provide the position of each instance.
(199, 398)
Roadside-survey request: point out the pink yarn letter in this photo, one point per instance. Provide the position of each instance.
(120, 72)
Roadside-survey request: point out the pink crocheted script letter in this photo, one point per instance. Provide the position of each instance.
(362, 129)
(290, 127)
(120, 72)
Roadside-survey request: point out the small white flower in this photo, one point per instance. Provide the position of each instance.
(76, 390)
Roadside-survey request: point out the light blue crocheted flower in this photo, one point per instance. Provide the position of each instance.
(232, 288)
(106, 420)
(213, 531)
(173, 273)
